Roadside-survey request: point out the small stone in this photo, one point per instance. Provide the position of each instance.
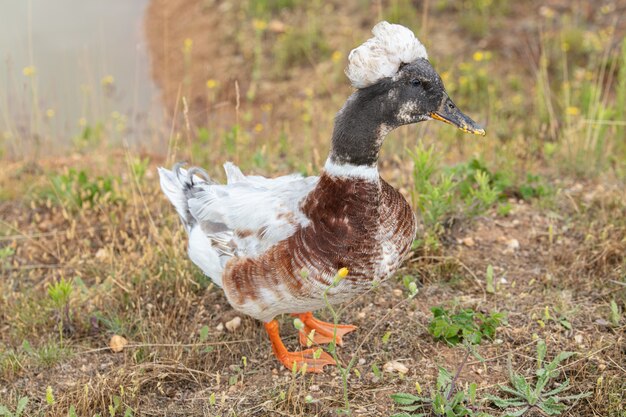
(314, 388)
(397, 292)
(468, 241)
(220, 327)
(362, 361)
(233, 324)
(117, 343)
(512, 244)
(578, 339)
(361, 315)
(395, 366)
(276, 26)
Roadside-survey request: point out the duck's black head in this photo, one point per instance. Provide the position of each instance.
(396, 85)
(414, 94)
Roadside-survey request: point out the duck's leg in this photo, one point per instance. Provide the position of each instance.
(289, 358)
(323, 331)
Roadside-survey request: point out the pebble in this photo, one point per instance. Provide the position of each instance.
(513, 244)
(233, 324)
(117, 343)
(395, 366)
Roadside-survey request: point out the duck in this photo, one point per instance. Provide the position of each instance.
(278, 245)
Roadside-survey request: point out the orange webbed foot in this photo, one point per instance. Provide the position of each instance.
(308, 357)
(324, 331)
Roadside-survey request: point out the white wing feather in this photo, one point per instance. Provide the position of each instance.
(259, 211)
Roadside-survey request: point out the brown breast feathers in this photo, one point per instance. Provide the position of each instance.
(348, 217)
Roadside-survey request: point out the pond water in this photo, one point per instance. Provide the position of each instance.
(66, 64)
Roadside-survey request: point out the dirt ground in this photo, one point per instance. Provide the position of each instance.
(166, 370)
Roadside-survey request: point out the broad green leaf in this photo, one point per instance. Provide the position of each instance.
(443, 378)
(542, 380)
(21, 406)
(405, 398)
(204, 333)
(551, 407)
(511, 391)
(457, 399)
(560, 388)
(504, 402)
(565, 323)
(410, 407)
(517, 413)
(471, 392)
(559, 358)
(520, 384)
(541, 352)
(573, 397)
(491, 289)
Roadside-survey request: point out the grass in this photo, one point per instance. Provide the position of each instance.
(89, 249)
(523, 396)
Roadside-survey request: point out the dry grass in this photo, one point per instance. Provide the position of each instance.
(135, 280)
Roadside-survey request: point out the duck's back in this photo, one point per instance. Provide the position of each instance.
(366, 226)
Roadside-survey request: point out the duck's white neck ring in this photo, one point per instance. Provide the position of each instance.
(364, 172)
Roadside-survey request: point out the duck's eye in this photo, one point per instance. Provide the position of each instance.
(415, 82)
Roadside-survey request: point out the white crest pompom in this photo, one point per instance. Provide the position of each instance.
(381, 56)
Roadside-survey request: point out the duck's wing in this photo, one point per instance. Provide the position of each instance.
(254, 211)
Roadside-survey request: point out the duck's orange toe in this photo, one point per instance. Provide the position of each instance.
(315, 359)
(324, 332)
(308, 358)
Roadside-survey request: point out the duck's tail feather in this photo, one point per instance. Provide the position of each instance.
(178, 186)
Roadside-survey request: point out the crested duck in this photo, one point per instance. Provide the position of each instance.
(275, 245)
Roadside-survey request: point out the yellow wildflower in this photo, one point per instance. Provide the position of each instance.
(107, 80)
(478, 56)
(211, 84)
(187, 45)
(343, 272)
(258, 128)
(572, 111)
(29, 71)
(336, 56)
(50, 113)
(259, 24)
